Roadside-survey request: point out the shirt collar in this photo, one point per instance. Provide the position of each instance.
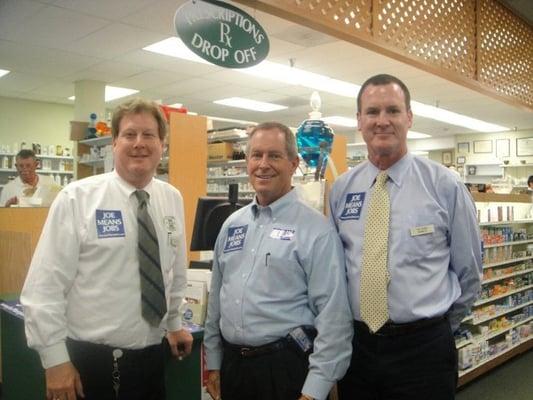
(396, 172)
(129, 189)
(277, 206)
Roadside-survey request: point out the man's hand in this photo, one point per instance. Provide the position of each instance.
(11, 201)
(305, 397)
(180, 343)
(63, 382)
(213, 384)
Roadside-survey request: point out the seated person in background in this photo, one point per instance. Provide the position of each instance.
(28, 188)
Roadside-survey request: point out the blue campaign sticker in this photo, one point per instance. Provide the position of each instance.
(109, 223)
(236, 238)
(352, 207)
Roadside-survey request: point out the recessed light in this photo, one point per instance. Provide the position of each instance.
(248, 104)
(113, 93)
(340, 121)
(417, 135)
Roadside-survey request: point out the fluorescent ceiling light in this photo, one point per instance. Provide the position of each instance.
(340, 121)
(417, 135)
(248, 104)
(440, 114)
(174, 47)
(419, 152)
(113, 93)
(358, 144)
(237, 121)
(4, 72)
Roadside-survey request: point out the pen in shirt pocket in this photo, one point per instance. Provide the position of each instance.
(267, 256)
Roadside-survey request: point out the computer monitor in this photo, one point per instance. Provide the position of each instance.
(211, 212)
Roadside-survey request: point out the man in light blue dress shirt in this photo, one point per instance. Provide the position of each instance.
(278, 280)
(434, 257)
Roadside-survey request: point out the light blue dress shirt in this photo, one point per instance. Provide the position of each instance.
(434, 240)
(276, 268)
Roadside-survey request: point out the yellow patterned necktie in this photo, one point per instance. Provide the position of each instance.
(374, 274)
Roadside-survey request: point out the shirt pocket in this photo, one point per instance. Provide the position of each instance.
(283, 274)
(422, 245)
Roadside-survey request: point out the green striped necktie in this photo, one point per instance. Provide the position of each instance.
(153, 302)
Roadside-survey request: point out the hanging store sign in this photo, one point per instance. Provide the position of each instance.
(221, 33)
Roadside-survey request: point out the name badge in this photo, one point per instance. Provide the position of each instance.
(422, 230)
(282, 234)
(352, 206)
(109, 223)
(236, 238)
(170, 223)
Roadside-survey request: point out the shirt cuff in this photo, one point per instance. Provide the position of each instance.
(214, 360)
(174, 324)
(316, 387)
(54, 355)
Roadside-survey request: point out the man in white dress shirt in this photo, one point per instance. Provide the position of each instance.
(82, 296)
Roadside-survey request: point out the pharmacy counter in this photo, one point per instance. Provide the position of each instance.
(23, 376)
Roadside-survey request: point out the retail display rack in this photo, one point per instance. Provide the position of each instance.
(501, 323)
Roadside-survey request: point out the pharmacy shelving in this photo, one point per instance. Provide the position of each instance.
(502, 315)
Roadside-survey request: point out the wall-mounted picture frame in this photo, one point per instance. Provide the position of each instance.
(463, 147)
(447, 158)
(461, 160)
(482, 146)
(502, 147)
(524, 146)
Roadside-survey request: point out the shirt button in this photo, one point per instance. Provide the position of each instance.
(253, 250)
(260, 226)
(237, 302)
(244, 275)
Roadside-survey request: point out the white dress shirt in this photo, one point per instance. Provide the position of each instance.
(84, 279)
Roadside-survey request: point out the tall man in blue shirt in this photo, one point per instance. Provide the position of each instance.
(278, 280)
(434, 257)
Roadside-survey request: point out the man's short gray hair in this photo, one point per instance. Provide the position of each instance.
(290, 140)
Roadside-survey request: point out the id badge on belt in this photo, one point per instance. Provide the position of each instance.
(303, 337)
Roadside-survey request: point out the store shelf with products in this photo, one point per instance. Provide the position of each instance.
(500, 325)
(94, 156)
(482, 173)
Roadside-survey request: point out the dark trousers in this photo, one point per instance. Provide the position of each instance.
(141, 371)
(279, 375)
(420, 365)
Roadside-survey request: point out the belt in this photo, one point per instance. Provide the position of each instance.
(392, 329)
(255, 351)
(105, 350)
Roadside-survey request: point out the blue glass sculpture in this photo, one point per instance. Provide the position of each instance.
(315, 138)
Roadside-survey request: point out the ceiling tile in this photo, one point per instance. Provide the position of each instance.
(52, 27)
(130, 38)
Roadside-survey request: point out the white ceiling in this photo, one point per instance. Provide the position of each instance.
(50, 44)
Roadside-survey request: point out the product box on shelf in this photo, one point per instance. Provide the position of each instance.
(219, 151)
(196, 297)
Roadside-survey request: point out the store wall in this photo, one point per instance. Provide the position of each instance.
(477, 150)
(34, 122)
